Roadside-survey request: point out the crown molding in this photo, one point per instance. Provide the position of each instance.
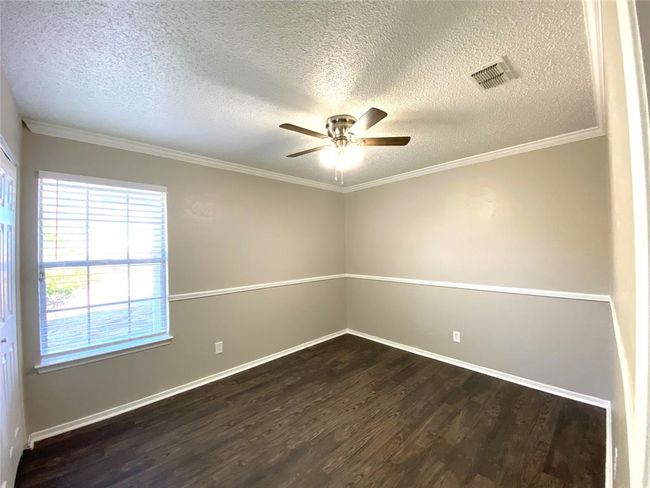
(63, 132)
(594, 29)
(593, 24)
(578, 135)
(79, 135)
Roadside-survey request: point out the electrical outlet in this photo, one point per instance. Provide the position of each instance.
(456, 336)
(218, 347)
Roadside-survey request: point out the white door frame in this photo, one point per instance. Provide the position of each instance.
(4, 148)
(639, 140)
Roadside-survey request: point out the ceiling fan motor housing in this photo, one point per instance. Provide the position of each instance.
(338, 127)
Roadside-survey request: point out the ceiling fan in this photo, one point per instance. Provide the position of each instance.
(343, 148)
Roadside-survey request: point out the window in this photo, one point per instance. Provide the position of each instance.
(102, 267)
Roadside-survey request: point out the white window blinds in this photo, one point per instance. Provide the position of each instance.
(103, 266)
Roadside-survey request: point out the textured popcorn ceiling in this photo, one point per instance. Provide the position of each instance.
(217, 78)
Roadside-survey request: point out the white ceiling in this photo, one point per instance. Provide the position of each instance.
(217, 78)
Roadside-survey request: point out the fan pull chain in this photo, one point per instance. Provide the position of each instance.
(338, 175)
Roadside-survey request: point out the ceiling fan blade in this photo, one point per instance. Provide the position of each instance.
(307, 151)
(384, 141)
(302, 130)
(367, 120)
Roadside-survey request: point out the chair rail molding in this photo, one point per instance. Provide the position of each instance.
(570, 295)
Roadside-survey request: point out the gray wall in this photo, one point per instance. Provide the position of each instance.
(225, 229)
(535, 220)
(564, 343)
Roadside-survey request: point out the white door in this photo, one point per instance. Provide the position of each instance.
(12, 435)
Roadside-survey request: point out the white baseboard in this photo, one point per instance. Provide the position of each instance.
(127, 407)
(553, 390)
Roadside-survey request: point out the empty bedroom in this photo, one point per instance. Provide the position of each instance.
(324, 244)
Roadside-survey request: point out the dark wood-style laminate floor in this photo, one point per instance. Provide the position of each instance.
(348, 412)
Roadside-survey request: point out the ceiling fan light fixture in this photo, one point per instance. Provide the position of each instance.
(344, 151)
(328, 157)
(351, 156)
(341, 158)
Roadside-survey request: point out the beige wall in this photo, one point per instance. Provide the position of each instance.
(643, 16)
(535, 220)
(623, 288)
(225, 229)
(10, 122)
(623, 274)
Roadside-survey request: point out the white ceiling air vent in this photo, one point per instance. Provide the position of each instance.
(492, 75)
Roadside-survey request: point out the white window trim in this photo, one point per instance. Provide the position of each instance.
(111, 351)
(60, 361)
(101, 181)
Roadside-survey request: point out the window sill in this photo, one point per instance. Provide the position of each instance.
(71, 360)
